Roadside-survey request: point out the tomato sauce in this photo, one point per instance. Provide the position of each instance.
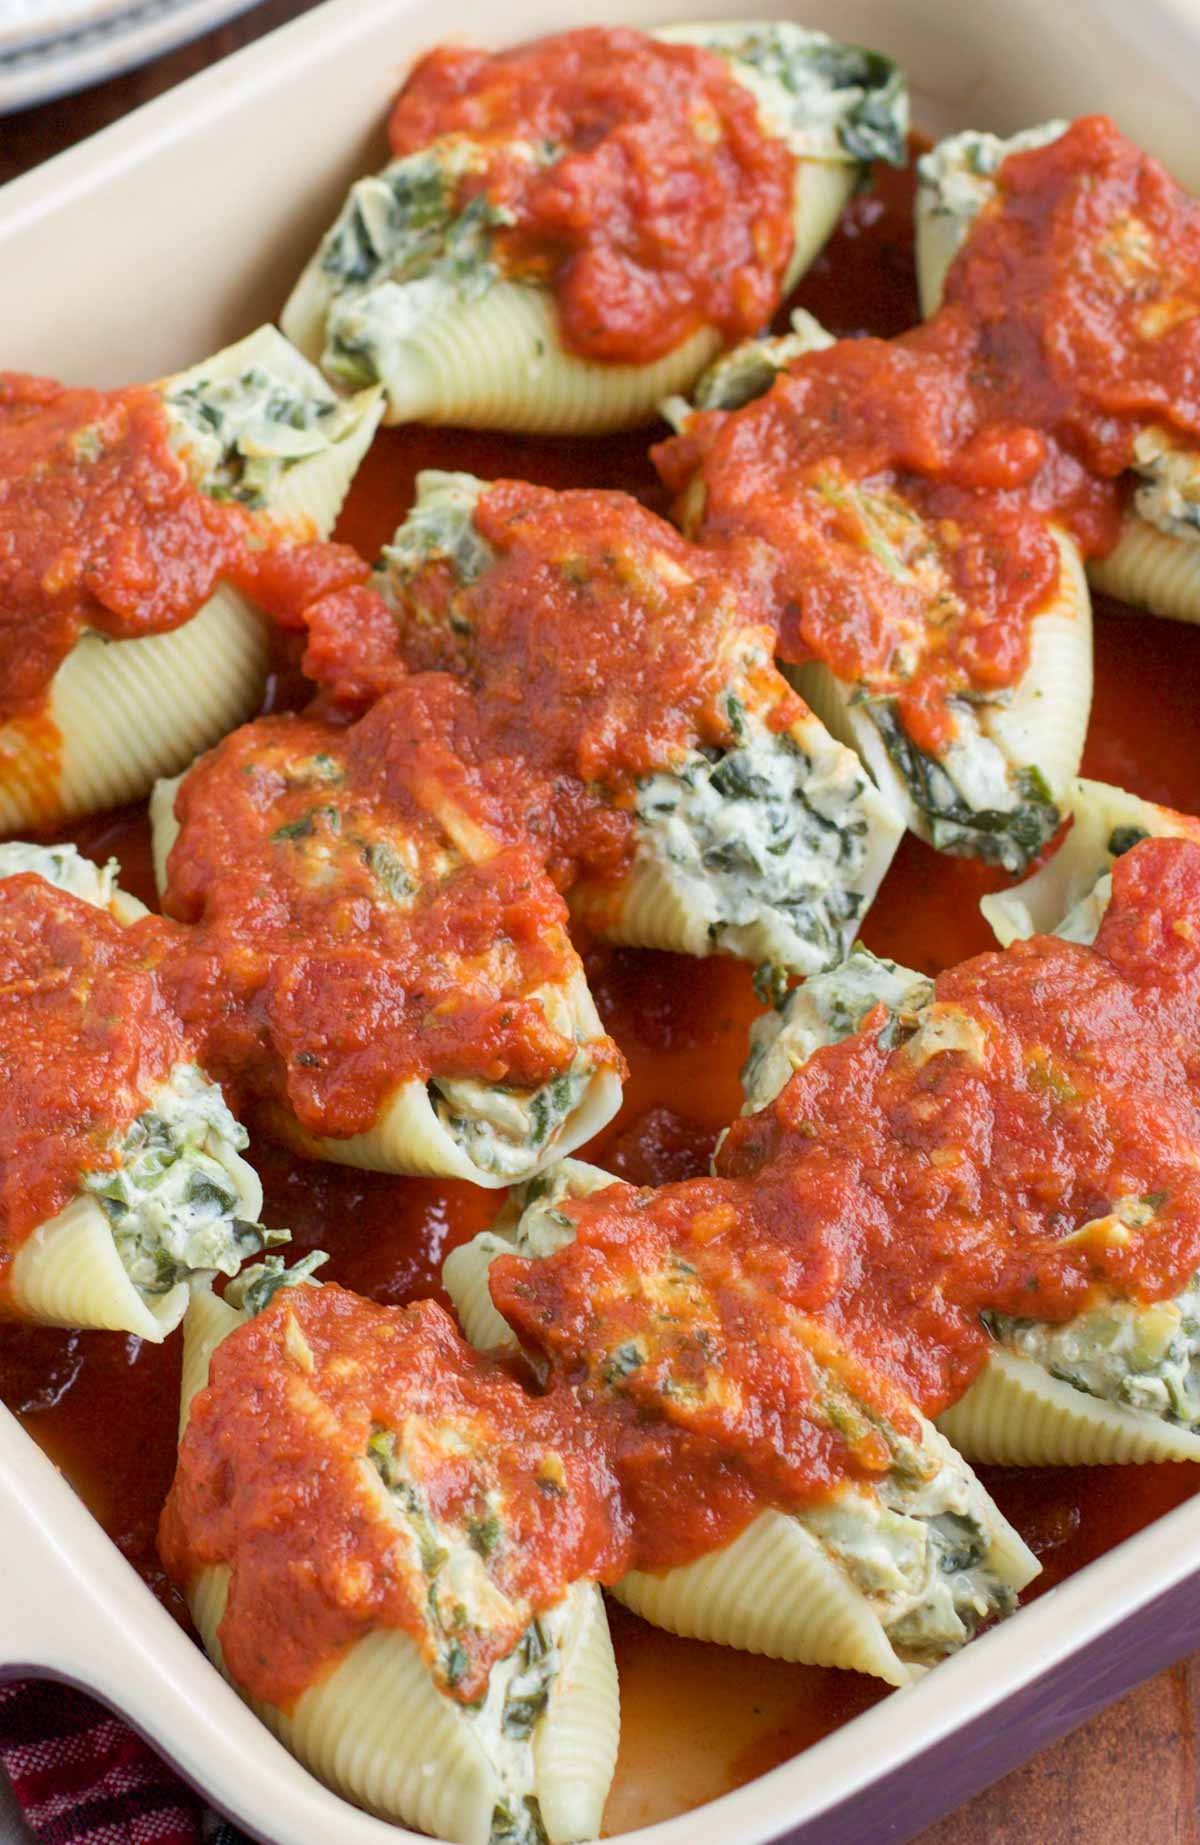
(86, 1021)
(1069, 325)
(346, 946)
(599, 647)
(102, 529)
(297, 1395)
(726, 1345)
(698, 1719)
(659, 204)
(1084, 289)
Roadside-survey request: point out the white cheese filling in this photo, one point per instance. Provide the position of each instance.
(1168, 491)
(974, 801)
(459, 1592)
(440, 528)
(502, 1129)
(766, 845)
(958, 176)
(65, 868)
(175, 1198)
(826, 99)
(1145, 1358)
(401, 253)
(240, 435)
(919, 1549)
(825, 1009)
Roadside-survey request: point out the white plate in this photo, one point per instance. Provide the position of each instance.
(48, 47)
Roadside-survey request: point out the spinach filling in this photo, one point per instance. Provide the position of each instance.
(1144, 1358)
(518, 1823)
(1004, 818)
(172, 1201)
(502, 1130)
(828, 1008)
(439, 529)
(768, 849)
(749, 370)
(920, 1550)
(242, 434)
(826, 93)
(520, 1684)
(253, 1290)
(401, 252)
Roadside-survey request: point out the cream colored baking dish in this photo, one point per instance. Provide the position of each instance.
(168, 236)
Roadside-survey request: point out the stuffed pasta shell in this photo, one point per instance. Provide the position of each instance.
(1118, 1380)
(1132, 249)
(423, 1634)
(124, 1186)
(942, 632)
(884, 1573)
(144, 533)
(1067, 895)
(626, 696)
(382, 970)
(481, 280)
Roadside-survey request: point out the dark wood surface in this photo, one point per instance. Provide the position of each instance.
(1132, 1775)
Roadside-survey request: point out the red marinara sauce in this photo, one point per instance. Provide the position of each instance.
(275, 1480)
(717, 1318)
(1082, 282)
(599, 647)
(357, 922)
(86, 1033)
(905, 557)
(661, 204)
(102, 528)
(1071, 324)
(105, 1407)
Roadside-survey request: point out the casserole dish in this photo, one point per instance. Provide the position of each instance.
(100, 217)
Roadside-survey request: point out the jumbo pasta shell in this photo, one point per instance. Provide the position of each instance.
(1041, 903)
(773, 1590)
(1042, 726)
(1016, 1415)
(377, 1730)
(1152, 570)
(496, 362)
(67, 1273)
(411, 1138)
(120, 713)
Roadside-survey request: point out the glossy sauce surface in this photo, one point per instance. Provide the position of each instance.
(912, 487)
(664, 206)
(346, 945)
(599, 645)
(102, 528)
(698, 1720)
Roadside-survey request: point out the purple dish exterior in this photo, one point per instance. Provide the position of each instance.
(901, 1804)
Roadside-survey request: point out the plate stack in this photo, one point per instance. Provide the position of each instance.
(49, 47)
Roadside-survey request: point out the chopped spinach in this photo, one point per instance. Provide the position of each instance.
(1007, 836)
(256, 1287)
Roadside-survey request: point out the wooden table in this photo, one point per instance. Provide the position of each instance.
(1132, 1775)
